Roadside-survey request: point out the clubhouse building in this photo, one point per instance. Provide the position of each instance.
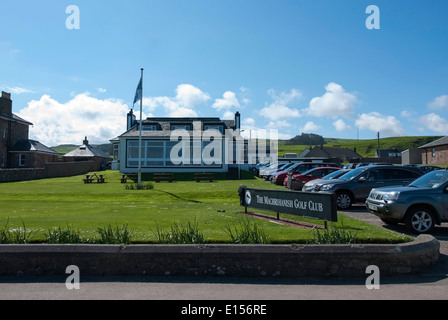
(180, 145)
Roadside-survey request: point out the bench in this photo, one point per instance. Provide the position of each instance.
(163, 176)
(125, 177)
(91, 178)
(204, 176)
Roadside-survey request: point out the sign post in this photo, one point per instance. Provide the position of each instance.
(321, 206)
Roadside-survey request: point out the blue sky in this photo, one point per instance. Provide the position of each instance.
(292, 65)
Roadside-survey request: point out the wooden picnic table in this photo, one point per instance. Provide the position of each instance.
(163, 176)
(126, 177)
(91, 178)
(204, 176)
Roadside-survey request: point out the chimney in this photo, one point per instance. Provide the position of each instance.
(6, 104)
(130, 120)
(85, 142)
(237, 121)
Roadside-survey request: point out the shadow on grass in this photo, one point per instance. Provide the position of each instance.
(177, 197)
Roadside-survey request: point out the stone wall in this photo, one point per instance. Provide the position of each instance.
(220, 260)
(51, 170)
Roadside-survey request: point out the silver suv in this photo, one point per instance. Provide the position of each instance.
(356, 185)
(421, 205)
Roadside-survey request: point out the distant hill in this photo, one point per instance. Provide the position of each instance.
(365, 148)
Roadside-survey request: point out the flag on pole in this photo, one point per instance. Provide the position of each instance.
(138, 93)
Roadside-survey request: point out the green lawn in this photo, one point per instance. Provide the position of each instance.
(45, 204)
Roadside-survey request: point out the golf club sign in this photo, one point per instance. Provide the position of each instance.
(320, 206)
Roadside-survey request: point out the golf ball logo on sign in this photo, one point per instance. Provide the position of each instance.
(248, 198)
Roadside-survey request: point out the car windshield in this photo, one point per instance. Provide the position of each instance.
(432, 180)
(332, 175)
(352, 174)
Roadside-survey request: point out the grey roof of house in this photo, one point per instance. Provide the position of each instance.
(164, 125)
(26, 145)
(87, 151)
(384, 153)
(438, 142)
(16, 118)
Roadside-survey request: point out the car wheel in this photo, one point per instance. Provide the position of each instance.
(419, 220)
(344, 200)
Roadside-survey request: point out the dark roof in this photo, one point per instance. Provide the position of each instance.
(385, 153)
(438, 142)
(332, 152)
(26, 145)
(164, 126)
(16, 118)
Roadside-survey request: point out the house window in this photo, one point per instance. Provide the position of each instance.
(181, 127)
(22, 160)
(115, 151)
(150, 127)
(213, 127)
(157, 154)
(433, 152)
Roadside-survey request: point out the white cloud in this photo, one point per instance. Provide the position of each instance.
(17, 90)
(407, 114)
(102, 90)
(279, 108)
(310, 127)
(58, 123)
(182, 105)
(334, 103)
(340, 125)
(439, 102)
(376, 122)
(189, 96)
(229, 100)
(251, 130)
(435, 123)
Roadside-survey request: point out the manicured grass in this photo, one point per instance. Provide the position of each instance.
(46, 204)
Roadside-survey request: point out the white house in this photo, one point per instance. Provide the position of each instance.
(178, 145)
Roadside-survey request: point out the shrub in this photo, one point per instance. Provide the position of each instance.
(16, 236)
(142, 186)
(117, 235)
(180, 234)
(333, 235)
(64, 236)
(248, 233)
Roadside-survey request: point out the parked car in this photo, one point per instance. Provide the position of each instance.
(256, 169)
(271, 166)
(266, 174)
(309, 186)
(421, 205)
(356, 185)
(300, 167)
(427, 169)
(298, 180)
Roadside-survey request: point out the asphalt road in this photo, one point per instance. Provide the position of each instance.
(430, 284)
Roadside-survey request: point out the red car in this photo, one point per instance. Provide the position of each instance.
(298, 168)
(298, 180)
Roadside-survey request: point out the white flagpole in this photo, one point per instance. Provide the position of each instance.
(140, 137)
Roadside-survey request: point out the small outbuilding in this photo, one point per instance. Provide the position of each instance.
(436, 152)
(87, 152)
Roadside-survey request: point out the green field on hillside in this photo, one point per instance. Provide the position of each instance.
(365, 148)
